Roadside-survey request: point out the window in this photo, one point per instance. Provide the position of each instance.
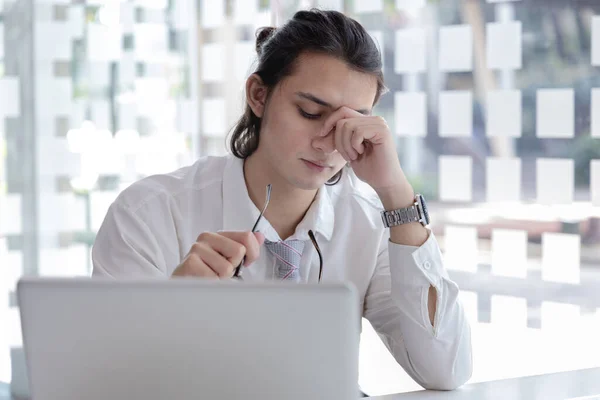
(128, 42)
(62, 124)
(61, 12)
(72, 98)
(62, 69)
(495, 106)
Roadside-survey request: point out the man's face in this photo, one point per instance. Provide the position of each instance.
(290, 140)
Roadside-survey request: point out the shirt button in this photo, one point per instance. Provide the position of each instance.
(426, 265)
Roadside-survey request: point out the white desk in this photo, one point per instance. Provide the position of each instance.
(580, 385)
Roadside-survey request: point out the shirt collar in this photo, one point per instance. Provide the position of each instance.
(240, 213)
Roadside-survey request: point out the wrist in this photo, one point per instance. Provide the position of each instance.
(395, 197)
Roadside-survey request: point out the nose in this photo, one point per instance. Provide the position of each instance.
(324, 143)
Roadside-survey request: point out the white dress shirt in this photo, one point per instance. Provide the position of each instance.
(152, 225)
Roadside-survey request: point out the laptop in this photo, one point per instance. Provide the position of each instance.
(189, 339)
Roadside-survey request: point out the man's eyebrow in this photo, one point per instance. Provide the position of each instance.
(321, 102)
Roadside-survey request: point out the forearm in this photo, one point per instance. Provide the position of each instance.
(436, 356)
(411, 234)
(434, 326)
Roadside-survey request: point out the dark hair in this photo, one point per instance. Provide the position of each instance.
(326, 32)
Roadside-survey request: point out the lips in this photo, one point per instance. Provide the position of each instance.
(315, 165)
(319, 163)
(322, 164)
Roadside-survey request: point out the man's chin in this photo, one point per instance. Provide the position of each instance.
(308, 183)
(309, 178)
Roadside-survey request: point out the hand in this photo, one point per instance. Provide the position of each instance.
(368, 145)
(216, 255)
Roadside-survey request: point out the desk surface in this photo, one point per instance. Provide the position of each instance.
(580, 385)
(574, 385)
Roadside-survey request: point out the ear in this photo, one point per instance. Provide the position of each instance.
(256, 95)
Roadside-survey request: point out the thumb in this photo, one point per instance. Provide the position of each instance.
(260, 237)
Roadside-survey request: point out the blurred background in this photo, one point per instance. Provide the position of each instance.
(495, 105)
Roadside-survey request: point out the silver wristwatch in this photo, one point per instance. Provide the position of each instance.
(415, 213)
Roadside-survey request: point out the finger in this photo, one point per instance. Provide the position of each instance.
(194, 266)
(215, 261)
(365, 133)
(340, 113)
(260, 238)
(367, 129)
(350, 131)
(225, 244)
(357, 140)
(332, 121)
(339, 139)
(250, 243)
(201, 269)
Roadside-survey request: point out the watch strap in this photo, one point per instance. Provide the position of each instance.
(400, 216)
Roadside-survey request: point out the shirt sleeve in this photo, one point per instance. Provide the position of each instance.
(437, 357)
(126, 247)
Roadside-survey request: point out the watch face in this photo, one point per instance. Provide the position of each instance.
(423, 205)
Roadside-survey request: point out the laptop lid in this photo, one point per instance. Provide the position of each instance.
(183, 338)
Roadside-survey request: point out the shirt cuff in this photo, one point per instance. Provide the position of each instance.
(417, 266)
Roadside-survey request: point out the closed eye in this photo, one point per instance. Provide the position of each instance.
(307, 115)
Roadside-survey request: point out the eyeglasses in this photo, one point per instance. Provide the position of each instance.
(236, 274)
(238, 269)
(314, 242)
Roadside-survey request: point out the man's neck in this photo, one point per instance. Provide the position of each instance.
(287, 205)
